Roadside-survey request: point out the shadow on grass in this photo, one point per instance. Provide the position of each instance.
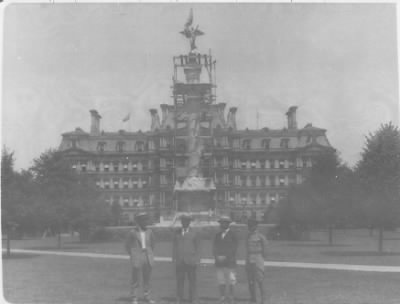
(317, 245)
(359, 253)
(18, 255)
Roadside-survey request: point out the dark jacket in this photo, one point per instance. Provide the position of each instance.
(224, 249)
(134, 246)
(186, 247)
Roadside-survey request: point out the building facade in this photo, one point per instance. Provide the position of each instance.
(193, 157)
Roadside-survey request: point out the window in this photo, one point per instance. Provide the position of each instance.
(115, 166)
(96, 166)
(119, 147)
(106, 167)
(125, 167)
(126, 201)
(139, 146)
(135, 166)
(144, 182)
(106, 184)
(246, 144)
(282, 181)
(262, 181)
(74, 143)
(83, 167)
(116, 183)
(281, 164)
(253, 181)
(244, 164)
(101, 146)
(253, 198)
(218, 161)
(145, 165)
(98, 184)
(126, 183)
(285, 143)
(243, 181)
(169, 163)
(265, 144)
(272, 181)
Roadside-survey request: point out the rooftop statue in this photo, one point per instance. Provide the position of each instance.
(191, 33)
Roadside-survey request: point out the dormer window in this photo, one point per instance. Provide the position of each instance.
(246, 144)
(74, 143)
(265, 144)
(101, 146)
(139, 146)
(119, 147)
(285, 143)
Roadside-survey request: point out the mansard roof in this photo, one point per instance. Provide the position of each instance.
(77, 132)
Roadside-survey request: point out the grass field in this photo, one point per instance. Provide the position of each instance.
(35, 278)
(55, 279)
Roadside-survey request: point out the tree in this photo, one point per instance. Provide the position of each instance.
(323, 184)
(379, 176)
(8, 210)
(68, 199)
(319, 200)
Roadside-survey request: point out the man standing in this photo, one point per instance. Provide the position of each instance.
(256, 254)
(186, 257)
(224, 250)
(140, 247)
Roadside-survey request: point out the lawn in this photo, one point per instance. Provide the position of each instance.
(31, 278)
(350, 247)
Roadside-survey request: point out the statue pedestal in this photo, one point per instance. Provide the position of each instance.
(195, 195)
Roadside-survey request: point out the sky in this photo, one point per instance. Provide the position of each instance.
(336, 62)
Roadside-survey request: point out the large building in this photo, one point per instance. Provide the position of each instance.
(193, 157)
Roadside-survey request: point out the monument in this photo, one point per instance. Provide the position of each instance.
(194, 105)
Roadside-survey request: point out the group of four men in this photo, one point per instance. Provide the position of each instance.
(186, 257)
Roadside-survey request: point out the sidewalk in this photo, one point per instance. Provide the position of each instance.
(370, 268)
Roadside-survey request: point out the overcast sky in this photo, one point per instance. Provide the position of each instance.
(336, 62)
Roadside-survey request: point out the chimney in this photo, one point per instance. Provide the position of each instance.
(231, 119)
(155, 120)
(95, 122)
(164, 113)
(291, 118)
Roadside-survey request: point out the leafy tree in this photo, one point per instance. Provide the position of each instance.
(319, 200)
(68, 200)
(379, 175)
(8, 199)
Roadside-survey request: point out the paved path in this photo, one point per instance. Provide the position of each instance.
(369, 268)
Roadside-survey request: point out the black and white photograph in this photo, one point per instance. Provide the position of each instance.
(200, 153)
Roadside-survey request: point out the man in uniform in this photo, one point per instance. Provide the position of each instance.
(224, 250)
(186, 257)
(140, 247)
(256, 254)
